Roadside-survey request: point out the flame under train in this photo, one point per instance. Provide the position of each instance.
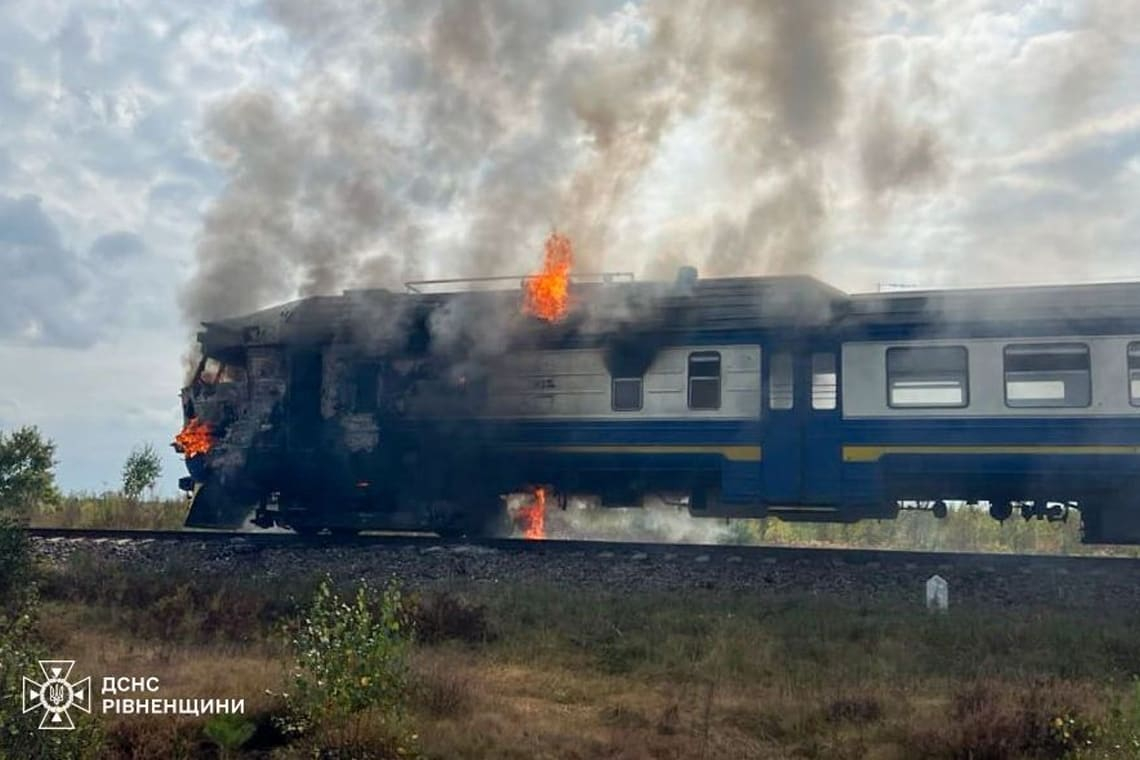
(745, 397)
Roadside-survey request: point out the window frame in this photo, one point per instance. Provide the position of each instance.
(1043, 346)
(614, 379)
(773, 364)
(964, 404)
(704, 356)
(1132, 400)
(834, 396)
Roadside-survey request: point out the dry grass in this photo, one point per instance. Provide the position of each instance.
(538, 672)
(110, 510)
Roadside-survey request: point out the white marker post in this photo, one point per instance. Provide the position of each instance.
(937, 594)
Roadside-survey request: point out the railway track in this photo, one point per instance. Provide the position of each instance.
(868, 559)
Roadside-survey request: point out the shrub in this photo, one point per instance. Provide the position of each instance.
(352, 663)
(1119, 736)
(442, 691)
(440, 616)
(229, 732)
(20, 651)
(1034, 721)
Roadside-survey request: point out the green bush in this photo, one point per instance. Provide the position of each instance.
(20, 651)
(1119, 736)
(27, 482)
(352, 666)
(229, 732)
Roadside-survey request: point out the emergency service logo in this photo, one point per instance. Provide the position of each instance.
(57, 695)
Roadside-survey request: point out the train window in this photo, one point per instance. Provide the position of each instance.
(1134, 373)
(1047, 374)
(232, 373)
(824, 385)
(210, 371)
(930, 376)
(704, 380)
(781, 382)
(367, 383)
(626, 394)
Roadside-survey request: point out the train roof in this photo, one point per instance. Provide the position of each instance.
(687, 304)
(1022, 304)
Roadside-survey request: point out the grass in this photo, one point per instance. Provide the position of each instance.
(521, 671)
(110, 510)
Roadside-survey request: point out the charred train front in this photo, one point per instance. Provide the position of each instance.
(746, 397)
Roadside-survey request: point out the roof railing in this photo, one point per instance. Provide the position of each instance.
(605, 278)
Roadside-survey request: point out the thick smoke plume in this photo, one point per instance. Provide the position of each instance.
(447, 139)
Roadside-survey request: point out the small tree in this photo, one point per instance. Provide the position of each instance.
(26, 480)
(141, 472)
(352, 661)
(26, 477)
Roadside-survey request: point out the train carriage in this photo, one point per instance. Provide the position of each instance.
(741, 397)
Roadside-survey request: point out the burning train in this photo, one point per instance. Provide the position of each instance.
(737, 397)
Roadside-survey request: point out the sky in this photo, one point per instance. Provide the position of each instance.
(162, 163)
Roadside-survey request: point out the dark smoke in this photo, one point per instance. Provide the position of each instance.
(307, 208)
(448, 138)
(897, 156)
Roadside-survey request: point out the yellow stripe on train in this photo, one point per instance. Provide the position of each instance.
(731, 453)
(875, 453)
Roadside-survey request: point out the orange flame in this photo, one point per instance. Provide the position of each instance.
(194, 439)
(548, 293)
(532, 517)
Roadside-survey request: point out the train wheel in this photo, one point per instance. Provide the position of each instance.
(1001, 510)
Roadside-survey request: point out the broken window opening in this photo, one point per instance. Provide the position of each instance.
(626, 394)
(704, 380)
(367, 387)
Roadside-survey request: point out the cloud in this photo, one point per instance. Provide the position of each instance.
(38, 297)
(54, 296)
(115, 247)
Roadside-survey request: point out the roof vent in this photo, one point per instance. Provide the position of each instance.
(686, 281)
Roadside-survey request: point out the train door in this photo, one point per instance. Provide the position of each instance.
(303, 401)
(782, 431)
(821, 452)
(802, 426)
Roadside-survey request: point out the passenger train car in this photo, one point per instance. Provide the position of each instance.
(741, 397)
